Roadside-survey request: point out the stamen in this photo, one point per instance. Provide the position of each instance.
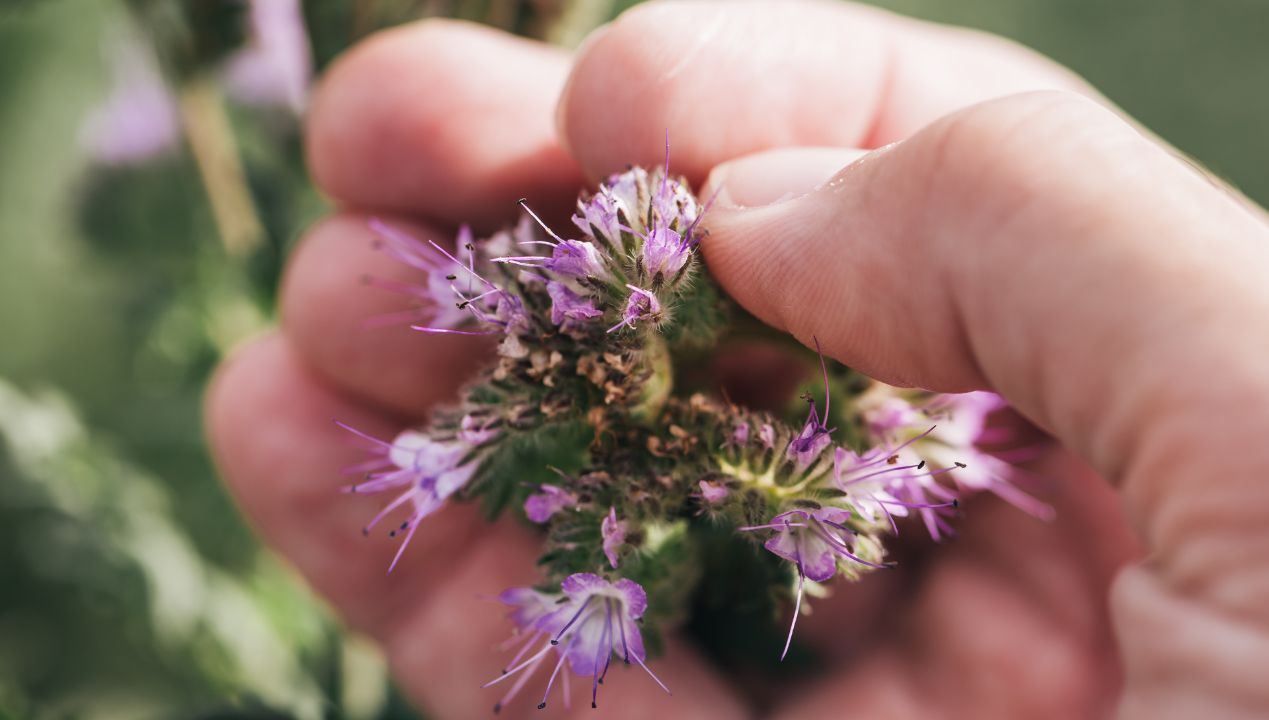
(536, 656)
(524, 204)
(404, 544)
(556, 640)
(797, 609)
(363, 436)
(556, 671)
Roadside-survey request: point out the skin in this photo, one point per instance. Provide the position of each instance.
(1013, 233)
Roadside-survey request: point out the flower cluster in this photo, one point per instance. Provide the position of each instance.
(588, 326)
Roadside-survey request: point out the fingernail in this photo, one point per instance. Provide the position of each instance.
(776, 176)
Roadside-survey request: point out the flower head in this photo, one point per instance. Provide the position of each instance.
(591, 621)
(423, 471)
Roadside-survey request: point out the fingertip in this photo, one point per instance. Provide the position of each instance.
(443, 118)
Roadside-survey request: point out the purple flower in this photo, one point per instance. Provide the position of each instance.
(476, 432)
(139, 119)
(443, 298)
(810, 442)
(739, 434)
(713, 492)
(953, 442)
(814, 540)
(425, 471)
(598, 216)
(664, 253)
(568, 309)
(276, 66)
(568, 258)
(623, 188)
(874, 484)
(553, 498)
(591, 622)
(614, 532)
(530, 606)
(642, 305)
(888, 415)
(766, 436)
(805, 449)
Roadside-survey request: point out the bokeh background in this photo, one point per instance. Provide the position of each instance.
(151, 182)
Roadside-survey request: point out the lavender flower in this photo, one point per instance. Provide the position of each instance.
(642, 305)
(815, 434)
(540, 507)
(568, 258)
(713, 492)
(814, 539)
(874, 484)
(568, 309)
(954, 442)
(614, 534)
(426, 473)
(889, 415)
(530, 606)
(599, 216)
(592, 621)
(139, 120)
(474, 431)
(665, 252)
(766, 436)
(276, 66)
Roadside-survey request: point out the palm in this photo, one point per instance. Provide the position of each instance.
(1012, 605)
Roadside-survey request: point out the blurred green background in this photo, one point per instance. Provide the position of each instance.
(147, 197)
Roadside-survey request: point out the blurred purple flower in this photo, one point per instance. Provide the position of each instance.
(139, 120)
(276, 66)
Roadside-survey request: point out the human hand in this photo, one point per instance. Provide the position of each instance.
(911, 266)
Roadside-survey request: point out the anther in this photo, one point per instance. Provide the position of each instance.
(541, 706)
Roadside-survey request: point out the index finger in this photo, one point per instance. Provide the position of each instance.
(728, 79)
(442, 119)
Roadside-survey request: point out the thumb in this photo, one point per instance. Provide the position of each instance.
(1040, 246)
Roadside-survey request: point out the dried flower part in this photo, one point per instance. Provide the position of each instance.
(589, 328)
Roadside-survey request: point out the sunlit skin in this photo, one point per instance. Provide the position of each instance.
(1037, 245)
